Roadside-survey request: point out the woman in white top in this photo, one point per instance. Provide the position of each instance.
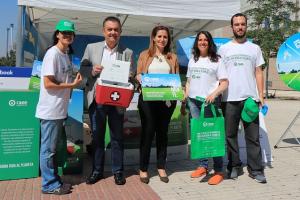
(156, 115)
(207, 79)
(55, 90)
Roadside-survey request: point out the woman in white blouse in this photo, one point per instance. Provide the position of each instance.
(156, 115)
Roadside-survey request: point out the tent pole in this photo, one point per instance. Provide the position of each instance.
(186, 26)
(20, 38)
(204, 26)
(124, 20)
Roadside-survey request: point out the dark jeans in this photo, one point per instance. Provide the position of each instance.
(195, 108)
(98, 114)
(232, 113)
(155, 119)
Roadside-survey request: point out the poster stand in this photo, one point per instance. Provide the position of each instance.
(289, 130)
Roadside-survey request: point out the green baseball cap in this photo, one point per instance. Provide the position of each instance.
(65, 25)
(250, 110)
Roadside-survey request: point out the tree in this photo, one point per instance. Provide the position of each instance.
(270, 23)
(10, 60)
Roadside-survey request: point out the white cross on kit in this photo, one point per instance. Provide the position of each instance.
(115, 96)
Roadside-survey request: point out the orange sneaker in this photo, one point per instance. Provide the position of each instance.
(216, 179)
(200, 171)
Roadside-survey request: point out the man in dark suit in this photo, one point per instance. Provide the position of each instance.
(91, 67)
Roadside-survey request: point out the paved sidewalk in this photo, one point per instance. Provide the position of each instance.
(283, 177)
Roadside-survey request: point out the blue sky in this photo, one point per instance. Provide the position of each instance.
(288, 54)
(9, 14)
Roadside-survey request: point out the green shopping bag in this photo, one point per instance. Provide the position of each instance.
(207, 135)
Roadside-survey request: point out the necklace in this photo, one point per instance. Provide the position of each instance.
(160, 58)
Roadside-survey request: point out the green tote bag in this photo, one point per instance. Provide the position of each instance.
(207, 135)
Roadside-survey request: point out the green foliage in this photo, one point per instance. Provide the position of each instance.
(270, 23)
(10, 60)
(293, 71)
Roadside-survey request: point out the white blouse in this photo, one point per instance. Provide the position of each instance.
(159, 65)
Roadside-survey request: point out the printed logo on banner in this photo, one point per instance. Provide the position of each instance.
(297, 43)
(13, 102)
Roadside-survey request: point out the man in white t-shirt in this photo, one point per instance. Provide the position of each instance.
(243, 61)
(55, 89)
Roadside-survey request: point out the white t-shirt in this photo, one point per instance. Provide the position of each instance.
(204, 76)
(241, 61)
(53, 103)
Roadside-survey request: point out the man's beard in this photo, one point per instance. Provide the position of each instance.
(239, 36)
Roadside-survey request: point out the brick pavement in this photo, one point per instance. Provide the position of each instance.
(29, 189)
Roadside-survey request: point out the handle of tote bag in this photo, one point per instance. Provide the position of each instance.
(212, 107)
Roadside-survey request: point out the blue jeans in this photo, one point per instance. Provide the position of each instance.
(51, 131)
(99, 114)
(195, 106)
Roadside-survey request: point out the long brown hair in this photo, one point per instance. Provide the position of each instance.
(151, 49)
(212, 48)
(55, 41)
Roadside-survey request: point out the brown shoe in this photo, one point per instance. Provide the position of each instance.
(164, 177)
(200, 171)
(217, 178)
(144, 178)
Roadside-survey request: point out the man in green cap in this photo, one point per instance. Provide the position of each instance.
(55, 89)
(243, 61)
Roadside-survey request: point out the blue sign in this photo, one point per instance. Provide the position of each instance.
(288, 62)
(15, 71)
(184, 48)
(161, 87)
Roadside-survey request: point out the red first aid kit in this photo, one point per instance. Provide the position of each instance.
(115, 95)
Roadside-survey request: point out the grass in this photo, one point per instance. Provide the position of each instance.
(161, 94)
(292, 80)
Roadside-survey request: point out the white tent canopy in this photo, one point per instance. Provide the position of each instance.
(138, 17)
